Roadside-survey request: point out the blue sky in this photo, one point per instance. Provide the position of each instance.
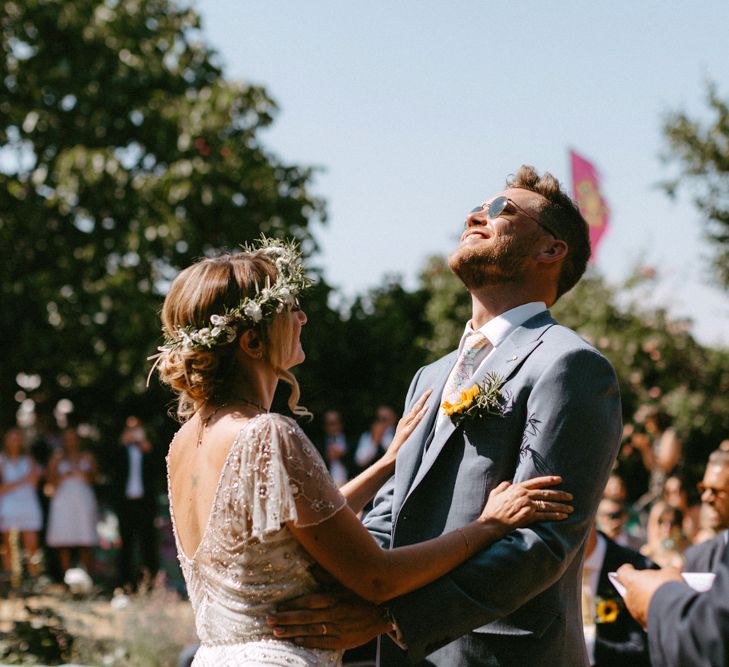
(417, 110)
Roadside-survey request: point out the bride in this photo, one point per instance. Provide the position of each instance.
(252, 504)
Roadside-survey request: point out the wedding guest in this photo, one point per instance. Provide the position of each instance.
(714, 487)
(662, 451)
(335, 447)
(46, 443)
(612, 519)
(666, 542)
(19, 507)
(374, 443)
(676, 494)
(616, 640)
(73, 513)
(134, 487)
(685, 628)
(616, 490)
(630, 465)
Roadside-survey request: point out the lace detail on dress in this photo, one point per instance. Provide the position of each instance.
(284, 478)
(266, 653)
(248, 561)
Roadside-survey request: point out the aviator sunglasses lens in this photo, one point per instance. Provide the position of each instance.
(497, 206)
(494, 209)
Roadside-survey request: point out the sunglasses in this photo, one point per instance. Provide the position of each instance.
(611, 515)
(498, 206)
(719, 493)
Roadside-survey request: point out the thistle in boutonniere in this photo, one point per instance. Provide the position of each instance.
(480, 401)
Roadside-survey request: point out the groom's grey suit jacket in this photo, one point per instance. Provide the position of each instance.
(516, 603)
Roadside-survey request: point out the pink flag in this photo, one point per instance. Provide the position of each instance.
(586, 192)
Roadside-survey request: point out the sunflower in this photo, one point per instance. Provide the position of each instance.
(465, 402)
(607, 611)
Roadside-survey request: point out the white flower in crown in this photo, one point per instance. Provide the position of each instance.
(275, 251)
(186, 339)
(204, 337)
(286, 296)
(270, 300)
(253, 310)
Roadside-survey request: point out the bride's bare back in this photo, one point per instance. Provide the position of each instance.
(195, 464)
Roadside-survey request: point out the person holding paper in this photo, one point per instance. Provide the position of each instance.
(686, 628)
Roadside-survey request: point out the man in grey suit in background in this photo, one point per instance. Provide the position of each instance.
(518, 602)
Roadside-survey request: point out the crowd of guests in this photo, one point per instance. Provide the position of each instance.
(343, 457)
(49, 512)
(651, 516)
(51, 485)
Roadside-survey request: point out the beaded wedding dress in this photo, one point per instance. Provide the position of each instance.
(248, 561)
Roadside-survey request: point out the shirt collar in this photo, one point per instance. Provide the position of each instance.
(594, 561)
(498, 329)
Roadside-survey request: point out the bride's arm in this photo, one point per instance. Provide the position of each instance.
(360, 490)
(344, 547)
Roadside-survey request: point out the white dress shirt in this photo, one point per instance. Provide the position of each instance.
(497, 330)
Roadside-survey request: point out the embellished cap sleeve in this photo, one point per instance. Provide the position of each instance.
(282, 478)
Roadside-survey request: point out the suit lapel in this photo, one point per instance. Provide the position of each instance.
(503, 361)
(410, 456)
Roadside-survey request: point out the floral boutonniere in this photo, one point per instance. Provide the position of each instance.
(607, 610)
(482, 400)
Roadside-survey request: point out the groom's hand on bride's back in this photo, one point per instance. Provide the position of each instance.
(328, 620)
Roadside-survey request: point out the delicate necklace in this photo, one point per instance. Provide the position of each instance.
(253, 403)
(204, 421)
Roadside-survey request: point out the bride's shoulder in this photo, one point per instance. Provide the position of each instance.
(274, 421)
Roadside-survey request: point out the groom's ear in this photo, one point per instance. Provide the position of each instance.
(552, 251)
(251, 344)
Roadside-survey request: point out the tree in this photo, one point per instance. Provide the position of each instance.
(700, 149)
(126, 155)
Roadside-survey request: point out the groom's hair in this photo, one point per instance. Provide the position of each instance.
(559, 213)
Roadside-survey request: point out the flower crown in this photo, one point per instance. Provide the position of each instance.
(269, 300)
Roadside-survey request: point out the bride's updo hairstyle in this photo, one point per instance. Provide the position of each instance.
(198, 360)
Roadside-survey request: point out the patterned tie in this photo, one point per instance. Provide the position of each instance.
(463, 370)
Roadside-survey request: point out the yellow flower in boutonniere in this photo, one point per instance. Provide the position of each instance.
(467, 396)
(481, 400)
(606, 610)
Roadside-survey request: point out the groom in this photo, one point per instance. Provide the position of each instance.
(518, 602)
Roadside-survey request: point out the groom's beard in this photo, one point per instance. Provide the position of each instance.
(498, 261)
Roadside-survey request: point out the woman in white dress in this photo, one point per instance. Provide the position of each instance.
(73, 515)
(252, 504)
(20, 509)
